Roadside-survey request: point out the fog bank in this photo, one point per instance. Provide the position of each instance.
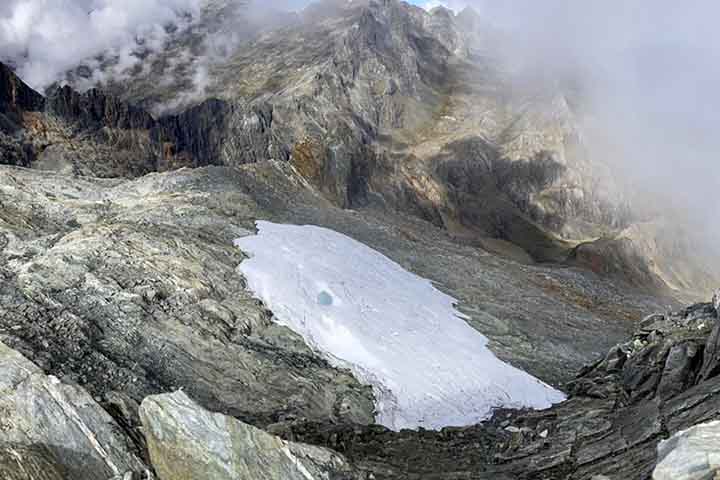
(645, 76)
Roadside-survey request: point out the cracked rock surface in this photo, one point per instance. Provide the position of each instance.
(130, 288)
(186, 442)
(52, 430)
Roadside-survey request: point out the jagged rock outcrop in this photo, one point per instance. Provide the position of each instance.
(619, 409)
(217, 132)
(88, 134)
(693, 454)
(51, 430)
(94, 110)
(98, 134)
(186, 442)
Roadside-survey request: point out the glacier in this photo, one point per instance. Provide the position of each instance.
(393, 329)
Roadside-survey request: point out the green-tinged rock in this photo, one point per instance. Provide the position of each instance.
(187, 442)
(55, 428)
(693, 454)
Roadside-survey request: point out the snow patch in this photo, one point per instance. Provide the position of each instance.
(391, 328)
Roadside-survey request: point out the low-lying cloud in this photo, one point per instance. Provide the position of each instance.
(648, 71)
(87, 43)
(648, 76)
(44, 38)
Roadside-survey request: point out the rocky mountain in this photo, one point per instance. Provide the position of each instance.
(380, 104)
(397, 127)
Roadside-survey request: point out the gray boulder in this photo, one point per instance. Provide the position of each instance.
(188, 442)
(56, 430)
(693, 454)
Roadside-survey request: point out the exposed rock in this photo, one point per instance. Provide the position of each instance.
(22, 462)
(711, 354)
(217, 132)
(693, 454)
(619, 409)
(131, 286)
(94, 110)
(88, 134)
(58, 426)
(15, 95)
(187, 442)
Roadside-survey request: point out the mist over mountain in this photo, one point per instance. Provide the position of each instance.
(640, 80)
(358, 240)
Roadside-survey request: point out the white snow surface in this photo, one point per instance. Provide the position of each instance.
(390, 327)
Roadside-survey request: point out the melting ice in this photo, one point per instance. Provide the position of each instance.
(391, 328)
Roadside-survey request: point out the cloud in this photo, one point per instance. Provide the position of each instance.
(647, 76)
(166, 43)
(44, 38)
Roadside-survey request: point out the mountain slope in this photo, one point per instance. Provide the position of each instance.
(382, 104)
(129, 288)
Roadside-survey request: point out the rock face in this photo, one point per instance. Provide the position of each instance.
(122, 291)
(95, 109)
(15, 96)
(186, 442)
(98, 134)
(51, 430)
(693, 454)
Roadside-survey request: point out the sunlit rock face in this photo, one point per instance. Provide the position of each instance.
(187, 442)
(692, 454)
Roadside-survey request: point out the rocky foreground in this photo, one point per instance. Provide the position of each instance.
(113, 292)
(662, 381)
